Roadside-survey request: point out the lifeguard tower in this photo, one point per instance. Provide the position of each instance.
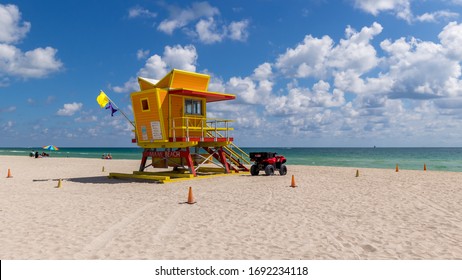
(171, 125)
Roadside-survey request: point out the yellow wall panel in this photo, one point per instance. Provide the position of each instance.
(163, 97)
(176, 112)
(148, 122)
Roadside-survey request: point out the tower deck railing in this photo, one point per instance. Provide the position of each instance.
(200, 129)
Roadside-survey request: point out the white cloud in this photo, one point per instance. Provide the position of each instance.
(179, 57)
(422, 69)
(36, 63)
(436, 16)
(451, 39)
(238, 30)
(180, 18)
(355, 52)
(263, 72)
(184, 58)
(216, 83)
(308, 59)
(142, 54)
(401, 8)
(322, 89)
(156, 66)
(351, 81)
(11, 28)
(208, 27)
(411, 68)
(245, 89)
(304, 101)
(413, 90)
(318, 58)
(69, 109)
(208, 32)
(138, 11)
(128, 86)
(256, 89)
(85, 119)
(7, 125)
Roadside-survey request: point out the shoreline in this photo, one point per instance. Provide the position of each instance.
(331, 214)
(391, 167)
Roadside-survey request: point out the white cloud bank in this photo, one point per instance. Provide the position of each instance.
(357, 88)
(411, 92)
(12, 29)
(199, 20)
(69, 109)
(36, 63)
(402, 9)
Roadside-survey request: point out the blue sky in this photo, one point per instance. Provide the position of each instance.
(305, 73)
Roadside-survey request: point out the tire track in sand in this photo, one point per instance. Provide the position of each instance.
(90, 250)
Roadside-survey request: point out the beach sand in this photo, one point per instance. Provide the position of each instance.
(331, 214)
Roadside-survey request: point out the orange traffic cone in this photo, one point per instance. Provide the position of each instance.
(397, 168)
(9, 174)
(357, 173)
(425, 167)
(292, 184)
(191, 199)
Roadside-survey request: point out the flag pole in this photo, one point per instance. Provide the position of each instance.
(117, 107)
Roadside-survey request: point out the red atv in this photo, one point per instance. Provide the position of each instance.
(269, 162)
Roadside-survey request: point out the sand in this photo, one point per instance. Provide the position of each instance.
(331, 214)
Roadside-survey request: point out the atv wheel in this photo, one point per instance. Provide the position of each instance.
(254, 170)
(269, 170)
(283, 170)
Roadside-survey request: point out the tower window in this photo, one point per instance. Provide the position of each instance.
(144, 104)
(193, 106)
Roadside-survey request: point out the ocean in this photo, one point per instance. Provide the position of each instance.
(442, 159)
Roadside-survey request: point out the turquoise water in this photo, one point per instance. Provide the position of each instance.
(444, 159)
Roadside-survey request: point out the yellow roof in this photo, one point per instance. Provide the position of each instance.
(146, 83)
(185, 83)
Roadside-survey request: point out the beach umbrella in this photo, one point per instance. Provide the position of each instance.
(50, 148)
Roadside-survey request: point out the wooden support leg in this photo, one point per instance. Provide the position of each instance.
(190, 162)
(144, 159)
(222, 155)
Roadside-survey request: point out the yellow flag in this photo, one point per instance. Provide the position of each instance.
(102, 99)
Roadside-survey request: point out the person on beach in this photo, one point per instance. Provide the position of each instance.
(108, 156)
